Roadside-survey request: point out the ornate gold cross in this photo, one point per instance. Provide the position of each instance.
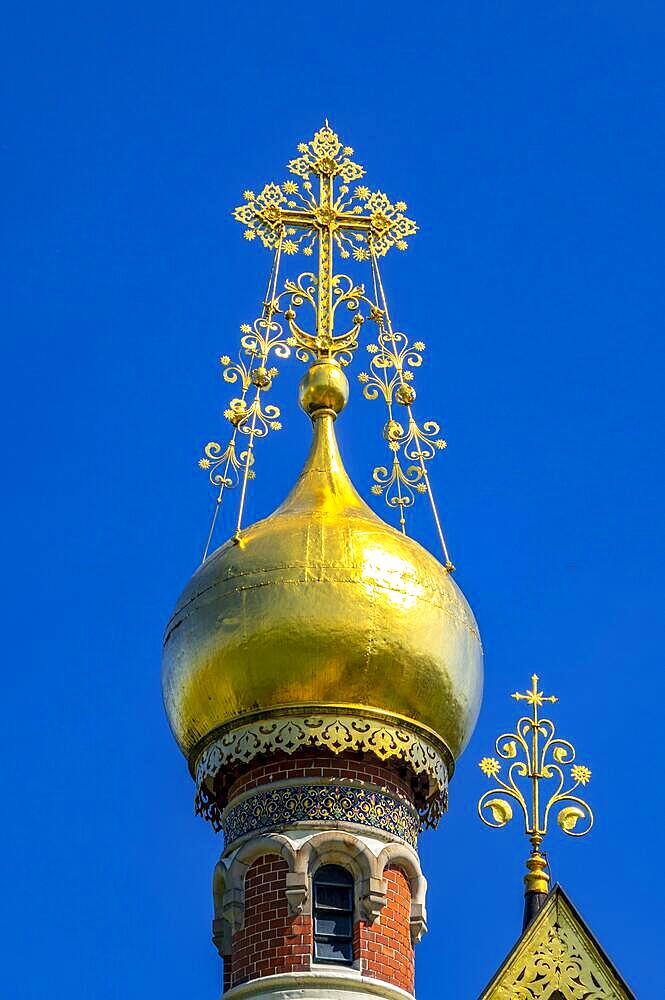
(536, 755)
(292, 217)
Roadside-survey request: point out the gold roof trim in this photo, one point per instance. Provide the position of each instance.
(557, 956)
(336, 731)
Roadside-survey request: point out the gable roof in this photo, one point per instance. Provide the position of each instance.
(557, 958)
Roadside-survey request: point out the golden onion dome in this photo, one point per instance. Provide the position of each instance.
(322, 606)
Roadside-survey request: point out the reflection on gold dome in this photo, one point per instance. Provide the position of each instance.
(393, 575)
(322, 605)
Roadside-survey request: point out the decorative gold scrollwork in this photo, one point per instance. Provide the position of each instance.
(323, 208)
(248, 415)
(536, 755)
(390, 376)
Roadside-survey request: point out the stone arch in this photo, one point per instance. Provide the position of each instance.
(335, 847)
(228, 887)
(332, 847)
(269, 843)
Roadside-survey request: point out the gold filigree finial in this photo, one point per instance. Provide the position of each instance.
(323, 208)
(332, 216)
(536, 756)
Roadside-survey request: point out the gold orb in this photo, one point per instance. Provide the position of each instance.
(322, 605)
(324, 387)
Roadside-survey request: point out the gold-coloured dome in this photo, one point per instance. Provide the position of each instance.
(322, 605)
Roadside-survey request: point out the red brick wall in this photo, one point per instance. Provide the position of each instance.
(315, 763)
(385, 947)
(270, 941)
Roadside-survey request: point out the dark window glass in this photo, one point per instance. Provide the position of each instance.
(333, 915)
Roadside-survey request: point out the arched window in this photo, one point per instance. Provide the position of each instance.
(333, 915)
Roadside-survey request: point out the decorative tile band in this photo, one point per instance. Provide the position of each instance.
(283, 806)
(337, 733)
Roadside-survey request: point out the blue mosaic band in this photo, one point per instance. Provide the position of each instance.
(282, 806)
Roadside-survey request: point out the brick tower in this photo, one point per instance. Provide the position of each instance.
(322, 671)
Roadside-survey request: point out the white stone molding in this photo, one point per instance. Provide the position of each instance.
(406, 859)
(340, 984)
(335, 847)
(228, 884)
(297, 891)
(221, 927)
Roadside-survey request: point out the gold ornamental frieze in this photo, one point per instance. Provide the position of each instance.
(333, 731)
(557, 967)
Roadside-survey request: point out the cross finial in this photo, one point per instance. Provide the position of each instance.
(321, 208)
(293, 217)
(536, 755)
(534, 696)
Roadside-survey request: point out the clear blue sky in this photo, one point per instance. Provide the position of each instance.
(528, 141)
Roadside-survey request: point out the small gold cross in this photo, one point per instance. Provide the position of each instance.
(534, 696)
